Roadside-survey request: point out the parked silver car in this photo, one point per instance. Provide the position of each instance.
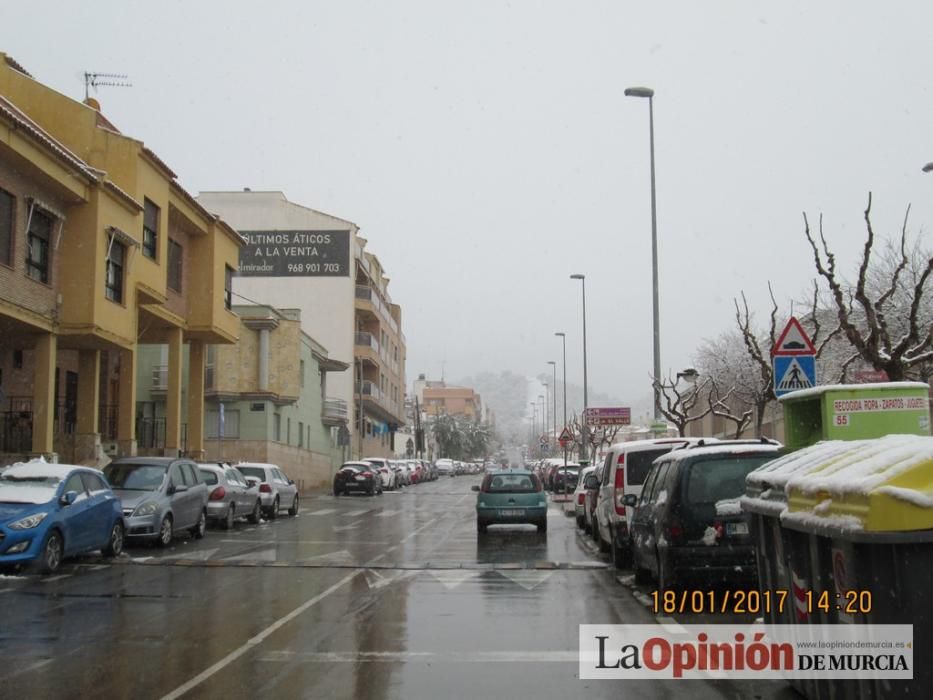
(276, 491)
(230, 496)
(160, 496)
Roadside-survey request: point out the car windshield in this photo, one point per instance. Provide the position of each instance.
(27, 489)
(135, 477)
(257, 472)
(510, 483)
(712, 480)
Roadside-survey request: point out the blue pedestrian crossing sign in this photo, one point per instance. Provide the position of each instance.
(793, 372)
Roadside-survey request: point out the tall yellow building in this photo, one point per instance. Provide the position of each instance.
(100, 250)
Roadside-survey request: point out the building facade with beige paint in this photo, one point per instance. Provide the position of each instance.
(101, 250)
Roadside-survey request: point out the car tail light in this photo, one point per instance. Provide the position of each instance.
(580, 497)
(368, 475)
(619, 490)
(218, 494)
(675, 532)
(265, 488)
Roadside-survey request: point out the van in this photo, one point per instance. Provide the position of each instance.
(622, 472)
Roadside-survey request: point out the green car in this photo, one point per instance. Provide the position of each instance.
(511, 497)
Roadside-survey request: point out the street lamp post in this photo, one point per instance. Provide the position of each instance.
(584, 450)
(554, 398)
(534, 422)
(563, 339)
(649, 93)
(547, 415)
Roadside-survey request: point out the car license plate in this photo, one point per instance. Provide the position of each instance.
(736, 528)
(512, 512)
(360, 478)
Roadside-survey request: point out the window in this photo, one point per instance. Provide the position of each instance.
(301, 373)
(192, 476)
(74, 483)
(638, 464)
(174, 265)
(228, 288)
(175, 477)
(231, 424)
(301, 434)
(288, 431)
(257, 407)
(7, 212)
(93, 483)
(17, 359)
(113, 283)
(277, 427)
(150, 230)
(37, 247)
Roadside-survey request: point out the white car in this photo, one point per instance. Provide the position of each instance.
(622, 473)
(577, 505)
(444, 467)
(390, 479)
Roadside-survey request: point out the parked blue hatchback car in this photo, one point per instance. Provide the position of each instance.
(52, 511)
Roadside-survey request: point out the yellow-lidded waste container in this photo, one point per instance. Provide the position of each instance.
(846, 527)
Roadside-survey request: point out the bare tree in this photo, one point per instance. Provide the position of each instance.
(721, 406)
(753, 339)
(883, 315)
(678, 405)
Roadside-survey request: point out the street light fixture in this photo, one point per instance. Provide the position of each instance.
(928, 167)
(586, 433)
(649, 93)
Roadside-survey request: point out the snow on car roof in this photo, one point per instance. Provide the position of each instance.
(746, 448)
(37, 469)
(823, 388)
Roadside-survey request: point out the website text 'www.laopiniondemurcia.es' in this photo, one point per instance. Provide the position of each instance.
(746, 651)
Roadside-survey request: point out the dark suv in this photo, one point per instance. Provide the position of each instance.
(687, 523)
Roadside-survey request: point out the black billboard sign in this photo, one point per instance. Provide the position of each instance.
(295, 254)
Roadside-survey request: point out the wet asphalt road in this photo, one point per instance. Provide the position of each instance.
(392, 596)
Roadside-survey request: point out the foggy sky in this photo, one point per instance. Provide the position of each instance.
(486, 149)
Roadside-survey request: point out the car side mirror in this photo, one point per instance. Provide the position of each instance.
(291, 482)
(68, 498)
(591, 483)
(474, 487)
(630, 500)
(180, 488)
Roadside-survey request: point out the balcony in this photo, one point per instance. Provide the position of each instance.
(334, 412)
(368, 294)
(370, 390)
(367, 348)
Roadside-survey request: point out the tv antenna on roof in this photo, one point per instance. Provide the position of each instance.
(96, 80)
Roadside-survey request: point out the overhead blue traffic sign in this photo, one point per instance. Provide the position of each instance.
(793, 372)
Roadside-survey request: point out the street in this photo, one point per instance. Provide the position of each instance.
(358, 597)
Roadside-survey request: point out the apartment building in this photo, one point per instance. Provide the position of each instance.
(452, 401)
(98, 245)
(318, 263)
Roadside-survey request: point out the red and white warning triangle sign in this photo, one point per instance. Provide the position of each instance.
(793, 340)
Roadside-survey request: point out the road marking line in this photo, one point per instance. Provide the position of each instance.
(355, 513)
(325, 511)
(56, 578)
(258, 639)
(31, 667)
(6, 590)
(427, 524)
(387, 513)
